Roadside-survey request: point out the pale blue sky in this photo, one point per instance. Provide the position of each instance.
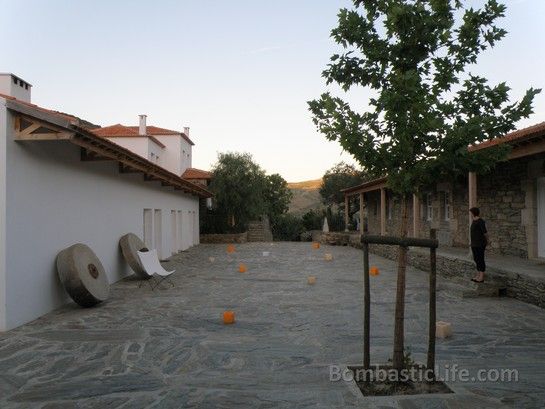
(237, 72)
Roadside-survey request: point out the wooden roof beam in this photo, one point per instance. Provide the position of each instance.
(38, 130)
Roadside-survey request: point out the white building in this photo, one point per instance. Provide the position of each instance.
(61, 183)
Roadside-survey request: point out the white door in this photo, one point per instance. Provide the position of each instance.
(541, 217)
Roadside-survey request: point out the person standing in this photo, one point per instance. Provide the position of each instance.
(479, 240)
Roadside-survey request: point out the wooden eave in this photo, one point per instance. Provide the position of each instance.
(35, 124)
(370, 186)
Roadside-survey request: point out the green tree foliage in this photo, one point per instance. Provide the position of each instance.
(340, 176)
(243, 192)
(313, 220)
(238, 184)
(426, 107)
(287, 227)
(277, 195)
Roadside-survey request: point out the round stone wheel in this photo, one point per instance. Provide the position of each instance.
(130, 244)
(83, 275)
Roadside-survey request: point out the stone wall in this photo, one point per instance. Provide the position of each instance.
(224, 238)
(506, 197)
(520, 287)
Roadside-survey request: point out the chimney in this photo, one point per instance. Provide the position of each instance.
(142, 129)
(186, 131)
(15, 87)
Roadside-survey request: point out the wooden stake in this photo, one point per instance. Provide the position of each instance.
(366, 307)
(433, 294)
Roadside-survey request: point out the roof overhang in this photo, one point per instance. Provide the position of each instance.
(370, 186)
(36, 124)
(524, 142)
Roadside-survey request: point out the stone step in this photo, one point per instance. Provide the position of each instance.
(469, 289)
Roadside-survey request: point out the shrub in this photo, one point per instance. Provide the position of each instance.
(313, 219)
(287, 227)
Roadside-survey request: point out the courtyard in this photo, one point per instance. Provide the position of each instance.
(168, 348)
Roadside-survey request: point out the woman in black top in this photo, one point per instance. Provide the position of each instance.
(479, 240)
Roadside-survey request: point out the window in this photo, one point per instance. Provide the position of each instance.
(429, 207)
(446, 205)
(15, 80)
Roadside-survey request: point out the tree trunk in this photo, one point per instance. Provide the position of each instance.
(399, 336)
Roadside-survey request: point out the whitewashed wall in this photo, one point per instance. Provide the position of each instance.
(137, 144)
(54, 200)
(3, 127)
(170, 158)
(187, 158)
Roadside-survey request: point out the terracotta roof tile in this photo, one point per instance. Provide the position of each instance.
(192, 173)
(121, 131)
(512, 137)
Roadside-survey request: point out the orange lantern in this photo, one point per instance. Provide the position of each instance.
(228, 317)
(230, 248)
(242, 268)
(374, 271)
(315, 245)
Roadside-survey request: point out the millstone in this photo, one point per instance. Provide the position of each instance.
(82, 275)
(130, 244)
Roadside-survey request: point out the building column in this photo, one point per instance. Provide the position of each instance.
(416, 215)
(346, 211)
(362, 220)
(383, 211)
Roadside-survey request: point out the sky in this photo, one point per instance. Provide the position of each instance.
(239, 73)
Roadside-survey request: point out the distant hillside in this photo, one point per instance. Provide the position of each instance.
(306, 185)
(306, 196)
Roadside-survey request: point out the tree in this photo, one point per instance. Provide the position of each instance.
(340, 176)
(426, 109)
(238, 184)
(277, 195)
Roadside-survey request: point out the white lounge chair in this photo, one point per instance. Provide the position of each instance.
(150, 262)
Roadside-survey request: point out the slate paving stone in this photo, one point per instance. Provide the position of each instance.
(169, 349)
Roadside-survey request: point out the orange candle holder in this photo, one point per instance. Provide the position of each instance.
(242, 268)
(311, 280)
(230, 248)
(315, 245)
(228, 317)
(374, 271)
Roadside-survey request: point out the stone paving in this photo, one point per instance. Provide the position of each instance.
(169, 349)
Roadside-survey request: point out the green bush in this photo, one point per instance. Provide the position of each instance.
(335, 220)
(287, 227)
(313, 219)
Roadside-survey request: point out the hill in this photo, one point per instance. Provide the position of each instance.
(306, 196)
(306, 185)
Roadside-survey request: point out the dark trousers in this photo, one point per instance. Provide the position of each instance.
(478, 256)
